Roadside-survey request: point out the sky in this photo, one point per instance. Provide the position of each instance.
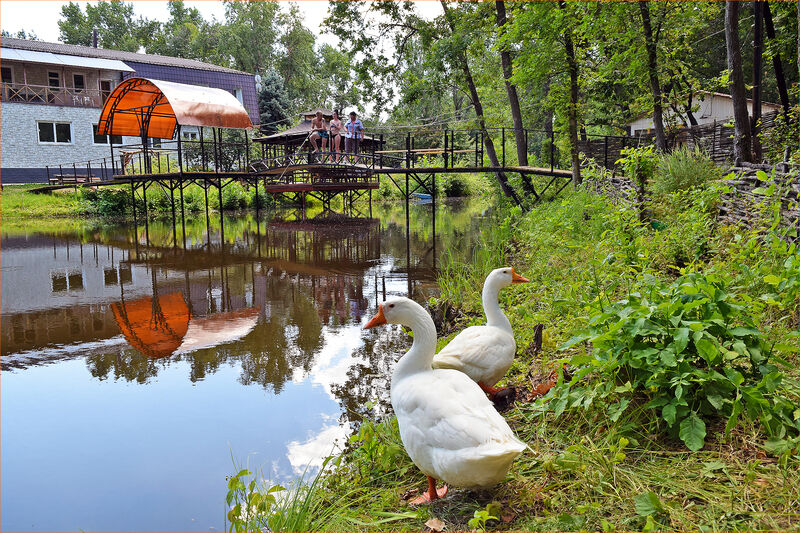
(42, 16)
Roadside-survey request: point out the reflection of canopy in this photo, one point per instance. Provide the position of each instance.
(139, 106)
(219, 328)
(155, 328)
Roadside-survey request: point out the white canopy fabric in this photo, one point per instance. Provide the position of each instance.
(31, 56)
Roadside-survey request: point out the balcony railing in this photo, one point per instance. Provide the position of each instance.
(43, 94)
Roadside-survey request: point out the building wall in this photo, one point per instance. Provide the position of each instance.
(37, 74)
(712, 108)
(220, 80)
(23, 158)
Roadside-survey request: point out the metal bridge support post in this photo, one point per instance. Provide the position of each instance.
(476, 149)
(605, 151)
(146, 216)
(408, 242)
(408, 157)
(221, 222)
(445, 148)
(381, 156)
(172, 205)
(202, 150)
(208, 217)
(552, 149)
(133, 204)
(503, 142)
(183, 216)
(180, 154)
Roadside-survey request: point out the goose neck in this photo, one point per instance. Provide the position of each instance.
(420, 356)
(491, 306)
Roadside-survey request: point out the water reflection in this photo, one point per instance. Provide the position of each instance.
(263, 319)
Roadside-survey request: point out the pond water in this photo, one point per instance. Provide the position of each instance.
(141, 368)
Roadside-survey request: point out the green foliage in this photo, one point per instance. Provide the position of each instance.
(481, 516)
(107, 202)
(454, 186)
(378, 450)
(639, 163)
(690, 350)
(273, 103)
(684, 169)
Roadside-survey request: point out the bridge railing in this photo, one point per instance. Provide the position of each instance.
(421, 148)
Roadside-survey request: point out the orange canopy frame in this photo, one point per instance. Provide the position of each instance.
(154, 326)
(153, 108)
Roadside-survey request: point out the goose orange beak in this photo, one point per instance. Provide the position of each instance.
(516, 278)
(377, 320)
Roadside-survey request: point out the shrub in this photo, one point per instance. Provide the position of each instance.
(684, 169)
(691, 352)
(454, 186)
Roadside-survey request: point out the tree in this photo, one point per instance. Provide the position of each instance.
(297, 61)
(652, 69)
(117, 27)
(741, 134)
(273, 103)
(459, 59)
(179, 34)
(21, 34)
(511, 89)
(250, 34)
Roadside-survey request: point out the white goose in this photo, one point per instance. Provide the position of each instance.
(485, 353)
(449, 428)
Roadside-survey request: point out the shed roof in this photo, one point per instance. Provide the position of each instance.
(140, 106)
(50, 58)
(88, 51)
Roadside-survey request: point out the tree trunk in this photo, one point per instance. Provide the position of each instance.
(652, 67)
(476, 102)
(572, 107)
(741, 135)
(777, 66)
(758, 49)
(511, 90)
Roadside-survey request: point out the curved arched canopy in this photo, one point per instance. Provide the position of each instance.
(154, 326)
(153, 108)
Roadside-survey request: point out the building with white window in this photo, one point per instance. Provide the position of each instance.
(51, 96)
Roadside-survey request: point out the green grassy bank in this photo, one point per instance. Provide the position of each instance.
(676, 408)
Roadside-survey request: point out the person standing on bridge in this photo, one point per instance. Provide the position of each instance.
(336, 135)
(354, 134)
(319, 130)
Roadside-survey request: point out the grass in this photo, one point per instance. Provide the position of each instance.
(16, 202)
(586, 472)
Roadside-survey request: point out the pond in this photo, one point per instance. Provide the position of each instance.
(139, 368)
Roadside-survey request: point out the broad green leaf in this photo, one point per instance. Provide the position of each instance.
(735, 411)
(668, 413)
(772, 279)
(707, 350)
(681, 339)
(743, 332)
(668, 358)
(648, 504)
(617, 409)
(715, 400)
(693, 432)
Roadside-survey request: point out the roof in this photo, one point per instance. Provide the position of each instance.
(327, 114)
(104, 53)
(164, 105)
(65, 60)
(729, 97)
(154, 326)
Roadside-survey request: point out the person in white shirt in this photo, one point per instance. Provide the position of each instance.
(354, 134)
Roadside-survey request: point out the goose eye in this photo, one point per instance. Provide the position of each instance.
(391, 306)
